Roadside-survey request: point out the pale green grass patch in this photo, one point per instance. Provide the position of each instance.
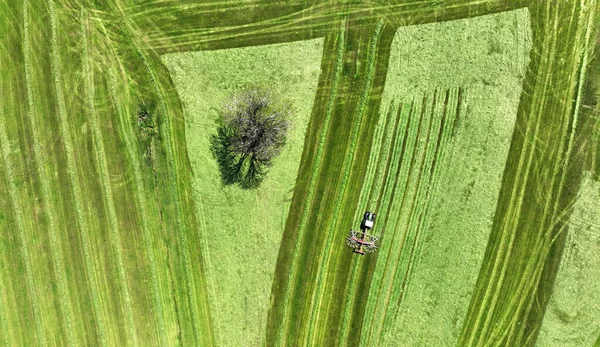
(488, 56)
(573, 314)
(241, 229)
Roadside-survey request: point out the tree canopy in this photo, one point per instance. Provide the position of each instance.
(252, 133)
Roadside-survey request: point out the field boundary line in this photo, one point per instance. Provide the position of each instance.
(88, 73)
(71, 170)
(341, 39)
(347, 165)
(64, 302)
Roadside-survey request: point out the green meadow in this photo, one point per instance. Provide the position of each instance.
(469, 127)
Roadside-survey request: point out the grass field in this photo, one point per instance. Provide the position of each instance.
(573, 318)
(104, 238)
(241, 229)
(433, 247)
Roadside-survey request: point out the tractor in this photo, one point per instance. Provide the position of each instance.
(361, 241)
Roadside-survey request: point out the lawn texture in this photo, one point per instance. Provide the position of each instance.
(100, 240)
(242, 229)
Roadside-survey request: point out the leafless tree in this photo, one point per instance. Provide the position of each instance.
(253, 131)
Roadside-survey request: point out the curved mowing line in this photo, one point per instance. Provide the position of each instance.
(174, 173)
(517, 210)
(105, 181)
(18, 214)
(64, 301)
(505, 251)
(554, 218)
(316, 301)
(141, 204)
(140, 198)
(83, 228)
(282, 332)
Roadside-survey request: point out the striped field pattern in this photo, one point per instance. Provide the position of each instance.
(99, 239)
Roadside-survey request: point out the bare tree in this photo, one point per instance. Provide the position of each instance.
(253, 131)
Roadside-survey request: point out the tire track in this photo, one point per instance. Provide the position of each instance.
(389, 286)
(140, 202)
(18, 214)
(506, 246)
(105, 181)
(71, 170)
(372, 169)
(65, 302)
(174, 173)
(361, 108)
(399, 153)
(282, 331)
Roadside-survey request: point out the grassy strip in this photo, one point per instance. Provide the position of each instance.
(83, 228)
(372, 169)
(65, 303)
(410, 196)
(506, 257)
(315, 303)
(585, 25)
(165, 34)
(174, 180)
(18, 215)
(124, 114)
(105, 182)
(405, 260)
(403, 146)
(281, 334)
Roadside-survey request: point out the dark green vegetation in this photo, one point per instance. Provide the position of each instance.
(100, 242)
(253, 130)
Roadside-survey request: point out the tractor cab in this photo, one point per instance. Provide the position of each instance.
(368, 220)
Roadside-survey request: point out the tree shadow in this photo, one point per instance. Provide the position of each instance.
(247, 171)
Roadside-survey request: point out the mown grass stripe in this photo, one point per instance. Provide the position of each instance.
(210, 275)
(124, 115)
(174, 179)
(401, 153)
(426, 180)
(105, 182)
(65, 134)
(516, 200)
(65, 302)
(4, 337)
(554, 219)
(282, 331)
(18, 215)
(413, 195)
(366, 190)
(140, 199)
(347, 165)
